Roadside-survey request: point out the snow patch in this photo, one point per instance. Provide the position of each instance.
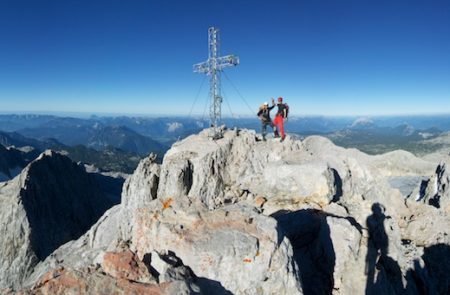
(425, 135)
(172, 127)
(363, 121)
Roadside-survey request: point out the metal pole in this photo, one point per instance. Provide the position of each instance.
(213, 67)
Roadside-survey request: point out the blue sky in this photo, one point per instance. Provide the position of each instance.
(336, 57)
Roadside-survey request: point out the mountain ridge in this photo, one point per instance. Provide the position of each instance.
(52, 201)
(300, 216)
(309, 197)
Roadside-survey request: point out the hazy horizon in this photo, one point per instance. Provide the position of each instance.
(206, 117)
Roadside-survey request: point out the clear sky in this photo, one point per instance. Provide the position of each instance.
(334, 57)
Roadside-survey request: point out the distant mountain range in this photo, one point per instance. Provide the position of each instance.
(157, 134)
(107, 145)
(118, 143)
(373, 139)
(168, 129)
(12, 159)
(96, 136)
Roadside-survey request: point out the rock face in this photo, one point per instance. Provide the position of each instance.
(97, 281)
(435, 190)
(225, 171)
(235, 245)
(242, 216)
(50, 203)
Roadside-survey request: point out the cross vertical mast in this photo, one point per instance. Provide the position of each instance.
(213, 67)
(215, 110)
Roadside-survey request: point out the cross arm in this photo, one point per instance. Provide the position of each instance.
(220, 63)
(202, 67)
(227, 61)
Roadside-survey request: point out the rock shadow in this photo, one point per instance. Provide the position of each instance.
(61, 202)
(432, 275)
(337, 185)
(208, 286)
(437, 262)
(309, 234)
(110, 186)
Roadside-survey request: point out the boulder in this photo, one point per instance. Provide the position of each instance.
(234, 245)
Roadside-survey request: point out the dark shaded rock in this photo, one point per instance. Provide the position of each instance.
(50, 203)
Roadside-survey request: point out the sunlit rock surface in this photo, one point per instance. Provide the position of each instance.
(242, 216)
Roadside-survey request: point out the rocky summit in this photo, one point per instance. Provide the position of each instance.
(238, 216)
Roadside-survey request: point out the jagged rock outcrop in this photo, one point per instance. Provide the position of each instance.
(312, 174)
(142, 187)
(435, 190)
(225, 171)
(51, 202)
(249, 217)
(110, 230)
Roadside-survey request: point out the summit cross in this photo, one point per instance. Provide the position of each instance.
(213, 67)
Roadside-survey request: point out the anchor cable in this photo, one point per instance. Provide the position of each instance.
(197, 96)
(239, 93)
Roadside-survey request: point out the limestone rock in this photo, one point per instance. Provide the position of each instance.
(139, 190)
(125, 265)
(435, 190)
(105, 235)
(234, 245)
(51, 202)
(242, 216)
(242, 162)
(142, 186)
(168, 267)
(95, 281)
(426, 225)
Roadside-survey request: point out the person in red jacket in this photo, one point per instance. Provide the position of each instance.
(281, 115)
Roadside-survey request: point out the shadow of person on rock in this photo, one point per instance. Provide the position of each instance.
(378, 246)
(384, 275)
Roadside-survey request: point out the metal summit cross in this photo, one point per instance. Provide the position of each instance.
(213, 67)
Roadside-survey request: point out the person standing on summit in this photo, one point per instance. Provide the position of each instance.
(282, 114)
(264, 115)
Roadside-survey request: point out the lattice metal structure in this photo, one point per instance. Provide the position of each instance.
(213, 67)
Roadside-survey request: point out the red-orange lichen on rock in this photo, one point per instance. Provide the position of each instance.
(125, 265)
(69, 281)
(167, 203)
(260, 201)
